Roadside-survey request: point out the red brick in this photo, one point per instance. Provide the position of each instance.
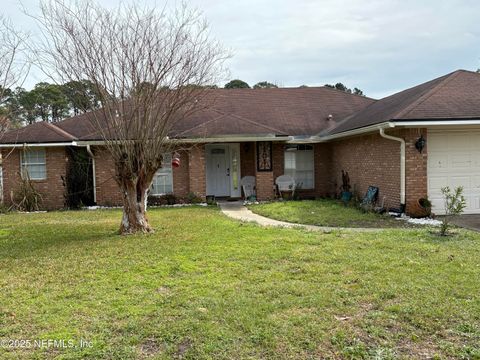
(51, 189)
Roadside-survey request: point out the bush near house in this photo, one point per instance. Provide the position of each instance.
(454, 204)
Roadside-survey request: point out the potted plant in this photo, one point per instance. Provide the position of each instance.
(346, 193)
(422, 208)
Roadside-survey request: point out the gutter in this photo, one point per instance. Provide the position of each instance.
(359, 131)
(89, 150)
(402, 166)
(427, 123)
(225, 139)
(22, 145)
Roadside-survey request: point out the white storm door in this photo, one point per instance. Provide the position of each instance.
(218, 179)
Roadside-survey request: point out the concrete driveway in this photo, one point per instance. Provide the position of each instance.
(471, 222)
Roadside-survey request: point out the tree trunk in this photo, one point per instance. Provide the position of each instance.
(134, 219)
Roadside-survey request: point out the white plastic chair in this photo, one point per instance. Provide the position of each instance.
(285, 183)
(248, 186)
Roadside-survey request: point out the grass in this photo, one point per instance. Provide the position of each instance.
(324, 212)
(204, 286)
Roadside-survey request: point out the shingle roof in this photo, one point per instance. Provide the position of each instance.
(282, 111)
(41, 132)
(294, 111)
(452, 96)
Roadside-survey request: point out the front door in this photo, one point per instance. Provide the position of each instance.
(223, 170)
(218, 180)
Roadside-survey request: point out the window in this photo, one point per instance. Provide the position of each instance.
(299, 165)
(163, 179)
(34, 164)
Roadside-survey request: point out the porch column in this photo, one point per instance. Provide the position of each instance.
(264, 180)
(196, 171)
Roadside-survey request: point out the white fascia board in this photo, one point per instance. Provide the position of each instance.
(359, 131)
(21, 145)
(416, 123)
(223, 139)
(232, 139)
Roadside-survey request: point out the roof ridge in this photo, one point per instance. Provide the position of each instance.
(346, 93)
(429, 93)
(346, 119)
(58, 130)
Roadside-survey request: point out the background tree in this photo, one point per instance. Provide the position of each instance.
(264, 85)
(50, 102)
(20, 107)
(13, 67)
(117, 51)
(81, 96)
(237, 84)
(341, 87)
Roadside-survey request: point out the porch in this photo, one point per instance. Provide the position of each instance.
(227, 163)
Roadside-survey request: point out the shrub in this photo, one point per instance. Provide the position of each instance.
(159, 200)
(425, 203)
(193, 198)
(78, 180)
(4, 208)
(455, 203)
(26, 197)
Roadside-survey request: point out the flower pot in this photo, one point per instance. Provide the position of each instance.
(346, 196)
(419, 211)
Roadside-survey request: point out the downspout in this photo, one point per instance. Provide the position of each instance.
(89, 150)
(402, 166)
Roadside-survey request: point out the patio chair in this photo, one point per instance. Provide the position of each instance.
(370, 198)
(248, 186)
(285, 183)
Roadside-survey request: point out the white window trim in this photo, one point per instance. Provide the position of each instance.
(313, 165)
(24, 165)
(171, 174)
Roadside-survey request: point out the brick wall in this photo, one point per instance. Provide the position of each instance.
(196, 171)
(181, 182)
(108, 191)
(323, 170)
(369, 160)
(51, 189)
(416, 168)
(373, 160)
(278, 159)
(264, 185)
(247, 159)
(264, 180)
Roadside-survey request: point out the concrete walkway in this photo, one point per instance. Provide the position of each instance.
(236, 210)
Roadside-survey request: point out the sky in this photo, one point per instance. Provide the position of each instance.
(379, 46)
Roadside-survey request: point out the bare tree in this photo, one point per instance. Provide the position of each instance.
(13, 65)
(149, 68)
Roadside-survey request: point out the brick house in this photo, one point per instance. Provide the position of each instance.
(309, 133)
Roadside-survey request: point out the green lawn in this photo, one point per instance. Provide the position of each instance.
(324, 212)
(205, 286)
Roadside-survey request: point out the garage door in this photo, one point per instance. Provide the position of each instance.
(454, 160)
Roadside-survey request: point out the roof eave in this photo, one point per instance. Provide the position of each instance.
(42, 144)
(436, 122)
(358, 131)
